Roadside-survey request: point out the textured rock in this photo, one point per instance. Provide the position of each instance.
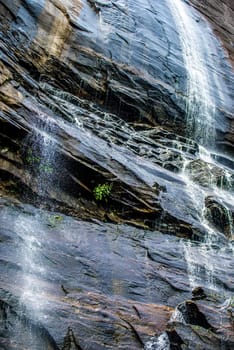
(91, 93)
(95, 286)
(210, 175)
(110, 55)
(220, 14)
(75, 283)
(192, 315)
(220, 214)
(140, 185)
(56, 59)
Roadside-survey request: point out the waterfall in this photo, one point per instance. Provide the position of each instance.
(40, 154)
(200, 106)
(40, 158)
(205, 94)
(32, 296)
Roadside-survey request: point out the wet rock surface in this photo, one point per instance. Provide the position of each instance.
(19, 332)
(93, 93)
(210, 175)
(220, 215)
(77, 63)
(94, 285)
(220, 14)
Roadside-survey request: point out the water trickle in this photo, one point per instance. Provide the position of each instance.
(41, 156)
(177, 316)
(158, 343)
(41, 161)
(32, 296)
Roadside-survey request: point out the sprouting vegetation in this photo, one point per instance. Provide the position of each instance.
(34, 160)
(54, 220)
(102, 192)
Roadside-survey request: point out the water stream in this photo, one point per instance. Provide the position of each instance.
(200, 106)
(198, 49)
(202, 258)
(41, 162)
(159, 343)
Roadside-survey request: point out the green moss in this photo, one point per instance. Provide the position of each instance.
(102, 192)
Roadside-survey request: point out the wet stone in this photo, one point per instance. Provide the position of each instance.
(192, 315)
(209, 175)
(198, 293)
(220, 215)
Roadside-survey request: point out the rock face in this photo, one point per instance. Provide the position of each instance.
(93, 100)
(97, 286)
(77, 53)
(220, 14)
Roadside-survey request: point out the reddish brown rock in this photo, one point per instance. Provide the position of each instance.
(220, 13)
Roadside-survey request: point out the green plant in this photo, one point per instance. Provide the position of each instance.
(35, 161)
(32, 158)
(54, 219)
(46, 168)
(102, 192)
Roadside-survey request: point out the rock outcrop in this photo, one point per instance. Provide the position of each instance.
(93, 100)
(220, 14)
(50, 75)
(82, 285)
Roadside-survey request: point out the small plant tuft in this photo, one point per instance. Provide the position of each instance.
(53, 220)
(36, 162)
(102, 192)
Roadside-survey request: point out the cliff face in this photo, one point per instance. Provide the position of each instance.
(83, 59)
(220, 14)
(93, 92)
(126, 55)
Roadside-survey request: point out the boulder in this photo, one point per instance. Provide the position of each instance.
(220, 215)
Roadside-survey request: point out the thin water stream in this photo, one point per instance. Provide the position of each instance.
(200, 106)
(41, 162)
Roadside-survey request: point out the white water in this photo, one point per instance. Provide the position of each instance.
(41, 163)
(198, 47)
(159, 343)
(32, 296)
(200, 107)
(177, 317)
(40, 154)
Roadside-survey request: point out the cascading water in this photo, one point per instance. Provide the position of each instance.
(198, 49)
(200, 107)
(40, 154)
(160, 343)
(40, 159)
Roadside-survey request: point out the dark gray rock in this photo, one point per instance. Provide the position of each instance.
(95, 285)
(220, 14)
(192, 315)
(220, 215)
(210, 175)
(77, 63)
(19, 332)
(94, 93)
